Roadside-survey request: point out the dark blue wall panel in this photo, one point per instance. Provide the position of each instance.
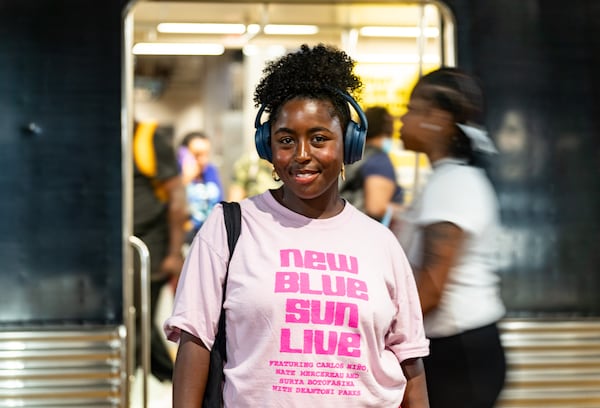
(60, 212)
(538, 61)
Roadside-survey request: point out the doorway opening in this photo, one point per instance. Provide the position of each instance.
(193, 66)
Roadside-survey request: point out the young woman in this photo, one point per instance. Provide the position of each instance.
(321, 304)
(448, 234)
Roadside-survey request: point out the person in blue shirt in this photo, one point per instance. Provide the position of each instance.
(201, 178)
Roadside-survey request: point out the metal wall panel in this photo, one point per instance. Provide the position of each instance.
(74, 367)
(551, 363)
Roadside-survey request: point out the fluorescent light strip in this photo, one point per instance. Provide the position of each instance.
(253, 28)
(177, 49)
(283, 29)
(200, 28)
(398, 32)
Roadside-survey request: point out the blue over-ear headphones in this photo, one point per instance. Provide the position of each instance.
(354, 139)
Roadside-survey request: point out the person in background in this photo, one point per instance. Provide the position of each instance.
(251, 176)
(321, 305)
(448, 233)
(159, 213)
(201, 179)
(371, 184)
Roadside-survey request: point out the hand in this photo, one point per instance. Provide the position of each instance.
(189, 171)
(172, 265)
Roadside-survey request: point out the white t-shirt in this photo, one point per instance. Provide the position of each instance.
(462, 195)
(320, 312)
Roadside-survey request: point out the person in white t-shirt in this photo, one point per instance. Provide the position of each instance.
(448, 234)
(321, 304)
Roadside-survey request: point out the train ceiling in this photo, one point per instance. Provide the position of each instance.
(332, 19)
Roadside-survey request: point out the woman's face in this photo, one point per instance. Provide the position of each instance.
(199, 148)
(426, 129)
(307, 145)
(412, 132)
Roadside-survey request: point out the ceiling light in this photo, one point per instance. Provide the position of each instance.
(253, 29)
(200, 28)
(284, 29)
(177, 49)
(373, 31)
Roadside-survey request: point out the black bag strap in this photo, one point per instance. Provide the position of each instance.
(233, 224)
(232, 215)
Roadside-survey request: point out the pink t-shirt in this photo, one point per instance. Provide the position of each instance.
(320, 312)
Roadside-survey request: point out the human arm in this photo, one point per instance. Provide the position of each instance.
(378, 191)
(415, 395)
(379, 184)
(176, 217)
(189, 166)
(442, 244)
(190, 372)
(170, 191)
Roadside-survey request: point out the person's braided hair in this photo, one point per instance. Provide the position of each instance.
(312, 73)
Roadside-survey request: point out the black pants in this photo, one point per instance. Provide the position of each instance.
(466, 370)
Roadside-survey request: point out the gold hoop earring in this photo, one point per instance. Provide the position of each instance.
(275, 175)
(343, 172)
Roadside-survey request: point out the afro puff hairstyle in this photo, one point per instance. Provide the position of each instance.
(315, 72)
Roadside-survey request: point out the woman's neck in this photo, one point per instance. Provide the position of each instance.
(324, 206)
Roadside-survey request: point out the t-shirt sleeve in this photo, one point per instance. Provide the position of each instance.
(379, 165)
(406, 338)
(462, 199)
(197, 303)
(166, 158)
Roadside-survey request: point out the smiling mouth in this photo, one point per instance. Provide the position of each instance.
(304, 177)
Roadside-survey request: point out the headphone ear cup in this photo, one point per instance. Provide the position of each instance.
(354, 143)
(262, 141)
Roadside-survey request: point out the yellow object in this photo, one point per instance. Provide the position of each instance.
(143, 148)
(144, 156)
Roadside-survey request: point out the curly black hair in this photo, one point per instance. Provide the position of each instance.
(319, 72)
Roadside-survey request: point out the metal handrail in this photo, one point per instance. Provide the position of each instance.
(144, 255)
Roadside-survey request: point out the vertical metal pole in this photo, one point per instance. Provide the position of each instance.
(421, 43)
(144, 254)
(129, 312)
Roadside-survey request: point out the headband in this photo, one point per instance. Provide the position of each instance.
(479, 139)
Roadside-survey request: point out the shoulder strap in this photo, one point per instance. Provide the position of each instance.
(233, 224)
(232, 215)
